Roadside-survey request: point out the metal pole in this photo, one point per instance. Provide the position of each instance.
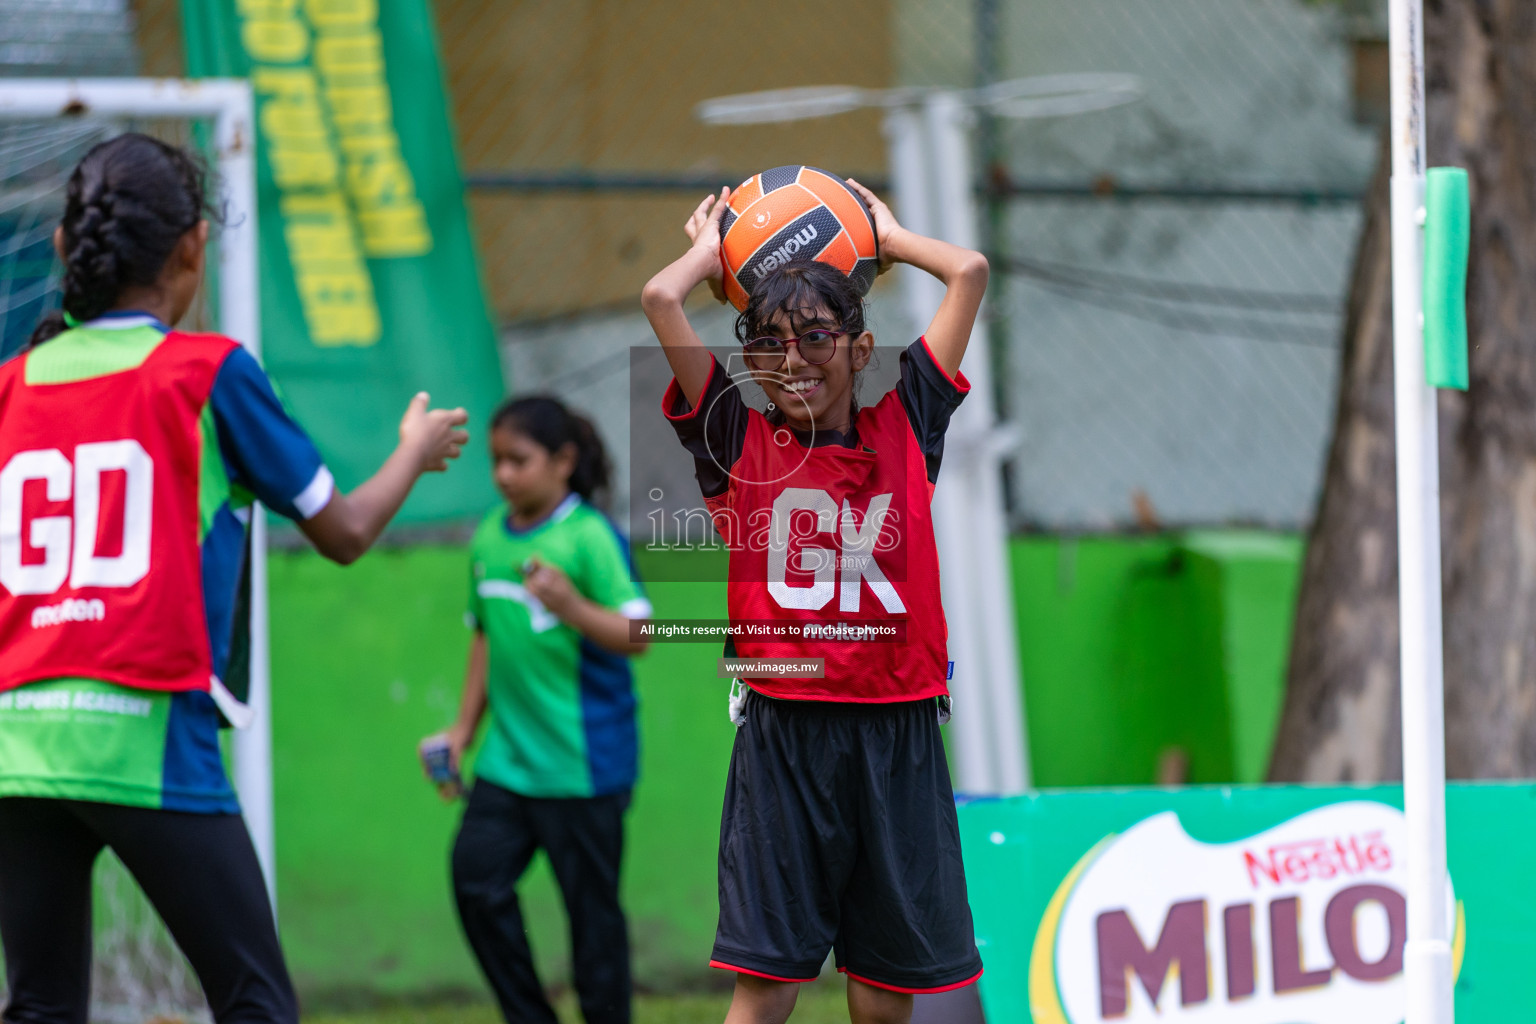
(143, 97)
(912, 191)
(972, 482)
(240, 318)
(1427, 955)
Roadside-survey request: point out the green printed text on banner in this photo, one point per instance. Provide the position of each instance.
(370, 291)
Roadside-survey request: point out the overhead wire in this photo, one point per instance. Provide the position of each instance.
(1176, 304)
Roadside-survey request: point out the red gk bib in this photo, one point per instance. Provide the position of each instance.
(837, 544)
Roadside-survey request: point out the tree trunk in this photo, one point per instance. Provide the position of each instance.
(1342, 713)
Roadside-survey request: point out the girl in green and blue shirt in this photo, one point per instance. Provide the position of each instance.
(552, 599)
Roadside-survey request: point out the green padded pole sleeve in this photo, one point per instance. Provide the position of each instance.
(1447, 238)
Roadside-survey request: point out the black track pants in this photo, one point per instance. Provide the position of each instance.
(584, 839)
(199, 871)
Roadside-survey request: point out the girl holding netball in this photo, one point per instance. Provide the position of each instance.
(130, 454)
(552, 597)
(839, 830)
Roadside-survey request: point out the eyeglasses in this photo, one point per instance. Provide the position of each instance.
(768, 353)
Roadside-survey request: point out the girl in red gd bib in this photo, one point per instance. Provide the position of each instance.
(130, 455)
(839, 827)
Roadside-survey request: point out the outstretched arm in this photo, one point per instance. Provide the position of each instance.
(665, 294)
(349, 523)
(963, 271)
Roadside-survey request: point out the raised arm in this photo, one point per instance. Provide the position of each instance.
(664, 295)
(963, 271)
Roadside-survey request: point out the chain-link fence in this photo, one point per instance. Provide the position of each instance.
(1169, 275)
(1176, 268)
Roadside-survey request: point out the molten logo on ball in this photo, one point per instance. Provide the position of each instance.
(795, 213)
(786, 252)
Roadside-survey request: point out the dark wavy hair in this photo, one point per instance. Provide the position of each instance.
(126, 206)
(798, 290)
(801, 291)
(551, 424)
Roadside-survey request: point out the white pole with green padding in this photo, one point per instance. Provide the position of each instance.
(1430, 230)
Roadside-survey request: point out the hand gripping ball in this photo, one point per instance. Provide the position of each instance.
(795, 213)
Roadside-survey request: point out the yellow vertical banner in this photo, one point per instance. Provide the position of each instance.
(370, 290)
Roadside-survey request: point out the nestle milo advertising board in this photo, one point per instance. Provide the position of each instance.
(1243, 905)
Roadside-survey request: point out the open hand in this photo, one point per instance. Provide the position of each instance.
(703, 229)
(885, 223)
(433, 434)
(552, 587)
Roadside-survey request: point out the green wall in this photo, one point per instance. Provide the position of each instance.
(367, 660)
(1129, 646)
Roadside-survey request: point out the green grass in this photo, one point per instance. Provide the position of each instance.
(822, 1002)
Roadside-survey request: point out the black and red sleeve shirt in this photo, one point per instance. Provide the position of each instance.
(714, 438)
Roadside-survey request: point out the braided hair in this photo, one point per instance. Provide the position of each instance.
(127, 204)
(550, 424)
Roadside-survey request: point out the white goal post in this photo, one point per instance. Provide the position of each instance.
(227, 104)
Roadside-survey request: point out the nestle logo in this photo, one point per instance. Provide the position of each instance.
(1319, 859)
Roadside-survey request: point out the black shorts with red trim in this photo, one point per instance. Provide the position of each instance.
(839, 833)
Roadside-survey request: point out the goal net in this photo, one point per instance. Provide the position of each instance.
(36, 158)
(46, 126)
